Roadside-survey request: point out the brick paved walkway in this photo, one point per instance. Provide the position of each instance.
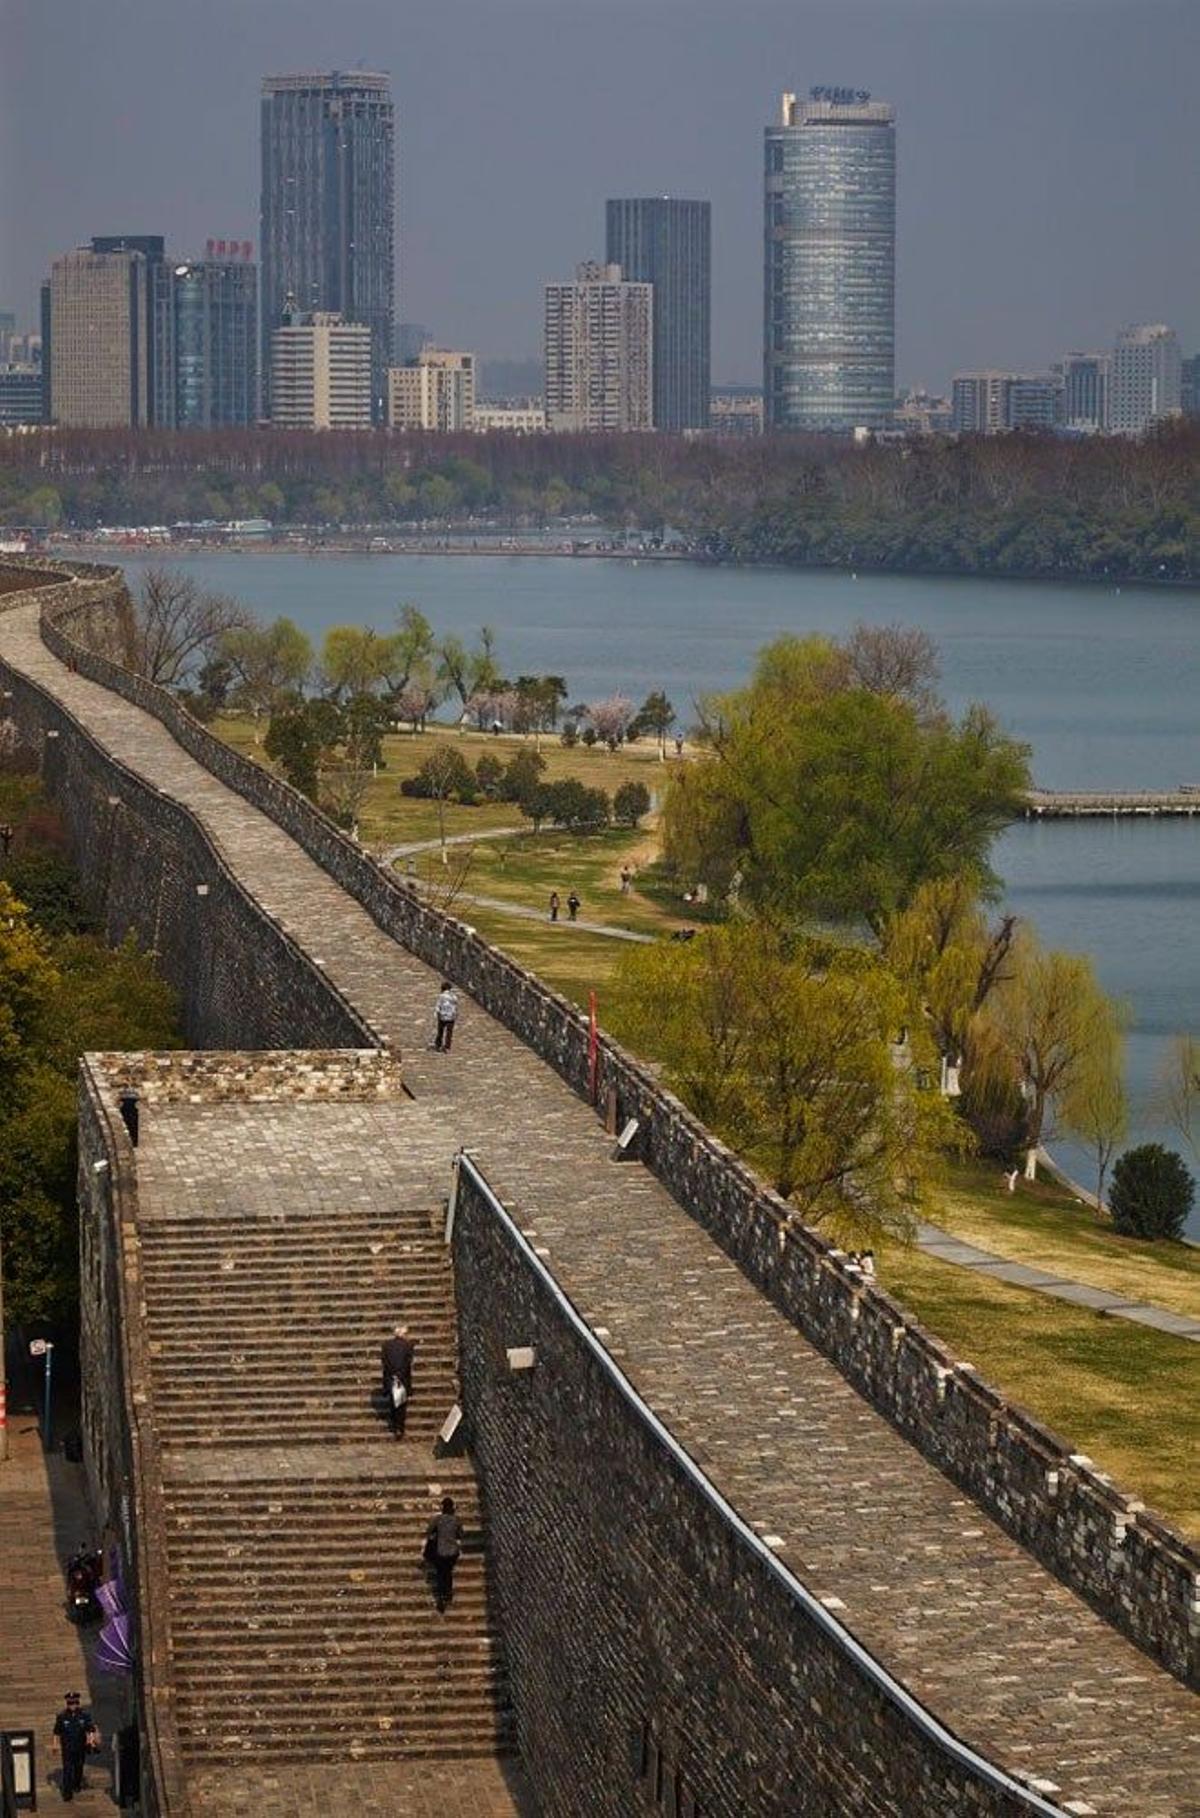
(983, 1635)
(43, 1517)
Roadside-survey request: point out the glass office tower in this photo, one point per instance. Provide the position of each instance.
(829, 319)
(214, 305)
(328, 208)
(658, 240)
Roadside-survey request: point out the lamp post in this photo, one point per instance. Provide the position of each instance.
(43, 1348)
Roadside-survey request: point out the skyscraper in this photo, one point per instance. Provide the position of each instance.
(214, 336)
(98, 313)
(599, 352)
(1147, 378)
(829, 332)
(328, 207)
(658, 240)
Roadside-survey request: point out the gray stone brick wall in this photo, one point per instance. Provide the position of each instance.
(651, 1642)
(121, 1444)
(1140, 1575)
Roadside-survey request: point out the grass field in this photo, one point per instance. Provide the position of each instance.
(1045, 1226)
(1122, 1394)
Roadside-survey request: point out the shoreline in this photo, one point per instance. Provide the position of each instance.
(66, 549)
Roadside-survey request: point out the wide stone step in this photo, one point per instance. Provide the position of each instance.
(429, 1742)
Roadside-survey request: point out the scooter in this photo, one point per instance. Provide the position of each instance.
(83, 1576)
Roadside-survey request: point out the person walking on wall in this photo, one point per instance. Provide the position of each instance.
(447, 1016)
(443, 1545)
(396, 1362)
(573, 906)
(76, 1735)
(554, 905)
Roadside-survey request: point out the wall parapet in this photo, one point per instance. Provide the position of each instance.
(1102, 1543)
(124, 1456)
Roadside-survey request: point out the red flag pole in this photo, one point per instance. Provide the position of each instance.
(593, 1049)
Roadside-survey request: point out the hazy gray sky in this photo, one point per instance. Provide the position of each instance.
(1047, 151)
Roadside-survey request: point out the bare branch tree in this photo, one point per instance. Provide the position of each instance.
(177, 624)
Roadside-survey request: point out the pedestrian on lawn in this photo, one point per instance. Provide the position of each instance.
(554, 905)
(573, 906)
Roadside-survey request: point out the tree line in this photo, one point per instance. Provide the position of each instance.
(322, 718)
(1018, 504)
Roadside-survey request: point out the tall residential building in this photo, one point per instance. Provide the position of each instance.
(991, 402)
(599, 352)
(1085, 391)
(160, 353)
(435, 391)
(829, 333)
(327, 234)
(1189, 391)
(979, 403)
(321, 372)
(667, 243)
(213, 313)
(1146, 378)
(97, 318)
(1034, 401)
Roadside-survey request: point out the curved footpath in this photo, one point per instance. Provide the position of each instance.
(985, 1637)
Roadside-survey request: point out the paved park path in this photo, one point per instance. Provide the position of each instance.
(983, 1635)
(947, 1248)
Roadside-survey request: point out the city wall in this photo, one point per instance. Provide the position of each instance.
(703, 1678)
(1105, 1545)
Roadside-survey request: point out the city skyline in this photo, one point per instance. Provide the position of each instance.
(993, 267)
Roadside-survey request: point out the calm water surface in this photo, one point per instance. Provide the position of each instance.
(1104, 685)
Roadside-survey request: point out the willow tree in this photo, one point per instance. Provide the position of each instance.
(788, 1049)
(828, 797)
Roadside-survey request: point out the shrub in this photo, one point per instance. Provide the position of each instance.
(630, 803)
(522, 776)
(570, 734)
(444, 776)
(589, 735)
(489, 774)
(1152, 1192)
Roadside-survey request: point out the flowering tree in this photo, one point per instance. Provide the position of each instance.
(610, 719)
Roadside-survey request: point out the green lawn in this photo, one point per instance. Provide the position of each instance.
(1122, 1394)
(1045, 1226)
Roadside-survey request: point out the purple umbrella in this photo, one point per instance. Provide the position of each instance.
(111, 1597)
(114, 1648)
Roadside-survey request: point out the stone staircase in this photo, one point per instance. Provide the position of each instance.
(266, 1330)
(302, 1617)
(303, 1624)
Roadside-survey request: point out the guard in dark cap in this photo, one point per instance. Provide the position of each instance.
(76, 1733)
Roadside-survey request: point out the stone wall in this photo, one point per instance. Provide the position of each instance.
(1103, 1544)
(668, 1662)
(121, 1446)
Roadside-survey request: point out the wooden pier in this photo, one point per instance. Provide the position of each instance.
(1076, 804)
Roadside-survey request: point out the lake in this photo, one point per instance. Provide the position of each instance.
(1103, 683)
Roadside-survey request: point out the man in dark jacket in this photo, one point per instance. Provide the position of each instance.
(74, 1728)
(396, 1362)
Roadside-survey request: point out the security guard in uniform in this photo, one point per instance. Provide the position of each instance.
(75, 1730)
